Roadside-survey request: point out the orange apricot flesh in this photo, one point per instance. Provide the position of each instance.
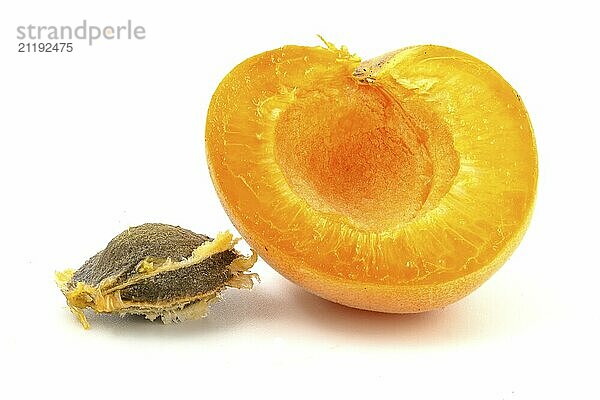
(398, 184)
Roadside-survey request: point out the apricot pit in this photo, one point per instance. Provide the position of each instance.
(398, 184)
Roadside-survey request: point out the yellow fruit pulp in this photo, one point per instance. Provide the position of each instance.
(398, 184)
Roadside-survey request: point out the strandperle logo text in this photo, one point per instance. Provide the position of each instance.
(85, 31)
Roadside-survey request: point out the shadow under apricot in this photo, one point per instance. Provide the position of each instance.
(476, 318)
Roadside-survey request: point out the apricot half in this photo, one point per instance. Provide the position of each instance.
(398, 184)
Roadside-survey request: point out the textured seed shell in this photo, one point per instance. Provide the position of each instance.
(157, 270)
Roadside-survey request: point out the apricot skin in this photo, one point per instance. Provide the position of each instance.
(398, 184)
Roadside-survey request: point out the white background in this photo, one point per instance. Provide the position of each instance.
(111, 136)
